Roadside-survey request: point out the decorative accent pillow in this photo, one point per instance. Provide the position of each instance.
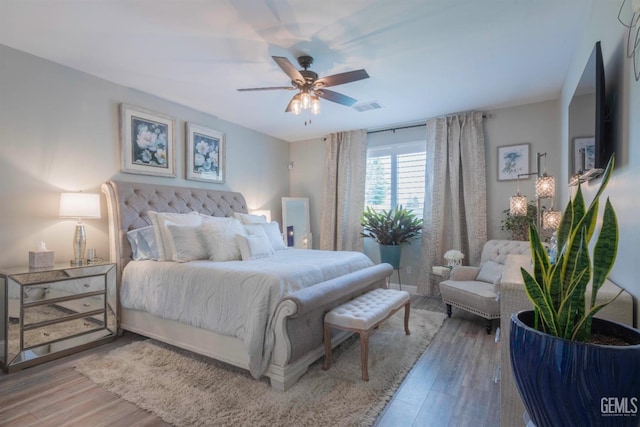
(143, 244)
(186, 243)
(163, 237)
(254, 246)
(490, 272)
(250, 219)
(272, 230)
(220, 239)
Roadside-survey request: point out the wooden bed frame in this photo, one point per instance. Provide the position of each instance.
(298, 319)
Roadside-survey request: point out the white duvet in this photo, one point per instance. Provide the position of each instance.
(235, 298)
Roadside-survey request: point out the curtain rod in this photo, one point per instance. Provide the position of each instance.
(484, 116)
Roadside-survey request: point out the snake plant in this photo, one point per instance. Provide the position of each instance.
(392, 227)
(558, 290)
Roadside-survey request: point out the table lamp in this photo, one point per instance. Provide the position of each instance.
(79, 205)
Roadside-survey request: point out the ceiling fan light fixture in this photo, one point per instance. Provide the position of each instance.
(305, 99)
(296, 106)
(315, 105)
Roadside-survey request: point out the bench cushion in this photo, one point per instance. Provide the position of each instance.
(365, 311)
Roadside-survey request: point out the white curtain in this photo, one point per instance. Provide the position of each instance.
(343, 191)
(455, 206)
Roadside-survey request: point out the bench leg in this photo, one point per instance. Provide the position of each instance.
(407, 309)
(327, 347)
(364, 354)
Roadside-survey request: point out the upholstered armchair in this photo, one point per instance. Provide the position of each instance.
(477, 289)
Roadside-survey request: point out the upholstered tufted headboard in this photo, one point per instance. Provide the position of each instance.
(129, 202)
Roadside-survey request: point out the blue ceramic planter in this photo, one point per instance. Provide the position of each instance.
(566, 383)
(391, 254)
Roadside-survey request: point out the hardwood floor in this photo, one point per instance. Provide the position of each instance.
(451, 385)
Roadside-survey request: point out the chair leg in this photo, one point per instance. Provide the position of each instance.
(488, 326)
(327, 347)
(448, 310)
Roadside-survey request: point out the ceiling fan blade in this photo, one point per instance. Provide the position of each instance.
(342, 78)
(266, 88)
(330, 95)
(289, 69)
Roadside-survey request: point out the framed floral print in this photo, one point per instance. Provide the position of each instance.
(147, 142)
(205, 154)
(512, 161)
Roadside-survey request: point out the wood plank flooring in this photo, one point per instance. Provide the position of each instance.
(451, 385)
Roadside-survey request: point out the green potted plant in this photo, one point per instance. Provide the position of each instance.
(391, 229)
(518, 225)
(565, 373)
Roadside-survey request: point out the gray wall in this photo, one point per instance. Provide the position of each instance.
(59, 132)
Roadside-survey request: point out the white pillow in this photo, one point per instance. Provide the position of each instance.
(163, 237)
(250, 219)
(186, 243)
(254, 246)
(272, 229)
(220, 238)
(490, 272)
(143, 244)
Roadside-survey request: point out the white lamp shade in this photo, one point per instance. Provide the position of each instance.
(545, 187)
(79, 205)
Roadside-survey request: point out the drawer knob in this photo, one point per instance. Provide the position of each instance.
(46, 334)
(86, 285)
(86, 304)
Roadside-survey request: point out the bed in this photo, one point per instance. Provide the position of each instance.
(277, 331)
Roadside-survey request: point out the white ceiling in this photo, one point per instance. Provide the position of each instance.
(425, 57)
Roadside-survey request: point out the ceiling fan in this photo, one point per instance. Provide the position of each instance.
(310, 86)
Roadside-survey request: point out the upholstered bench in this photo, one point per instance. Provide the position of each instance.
(362, 315)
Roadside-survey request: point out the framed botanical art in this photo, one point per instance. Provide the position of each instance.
(584, 154)
(512, 161)
(205, 154)
(147, 142)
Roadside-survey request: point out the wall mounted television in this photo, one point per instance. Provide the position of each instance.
(589, 125)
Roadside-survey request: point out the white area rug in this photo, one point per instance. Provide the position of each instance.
(185, 389)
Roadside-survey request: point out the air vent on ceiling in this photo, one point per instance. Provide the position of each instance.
(373, 105)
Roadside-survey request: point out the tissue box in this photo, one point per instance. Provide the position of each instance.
(40, 259)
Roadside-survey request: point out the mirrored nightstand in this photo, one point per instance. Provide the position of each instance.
(52, 312)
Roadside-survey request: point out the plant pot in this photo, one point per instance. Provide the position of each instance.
(391, 254)
(567, 383)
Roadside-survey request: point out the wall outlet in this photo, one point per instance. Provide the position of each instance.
(408, 269)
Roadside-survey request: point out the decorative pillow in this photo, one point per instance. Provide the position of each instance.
(143, 244)
(220, 239)
(254, 246)
(490, 272)
(250, 219)
(272, 230)
(186, 243)
(163, 237)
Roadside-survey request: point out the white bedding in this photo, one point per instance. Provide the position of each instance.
(235, 298)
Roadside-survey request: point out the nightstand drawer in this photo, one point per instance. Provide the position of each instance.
(58, 311)
(48, 333)
(62, 288)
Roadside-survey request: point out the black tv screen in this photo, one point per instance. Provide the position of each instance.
(589, 133)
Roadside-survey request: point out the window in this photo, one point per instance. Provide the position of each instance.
(395, 176)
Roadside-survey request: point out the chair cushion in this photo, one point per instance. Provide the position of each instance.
(490, 272)
(471, 293)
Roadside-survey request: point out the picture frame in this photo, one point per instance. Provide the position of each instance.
(584, 162)
(513, 160)
(147, 142)
(206, 151)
